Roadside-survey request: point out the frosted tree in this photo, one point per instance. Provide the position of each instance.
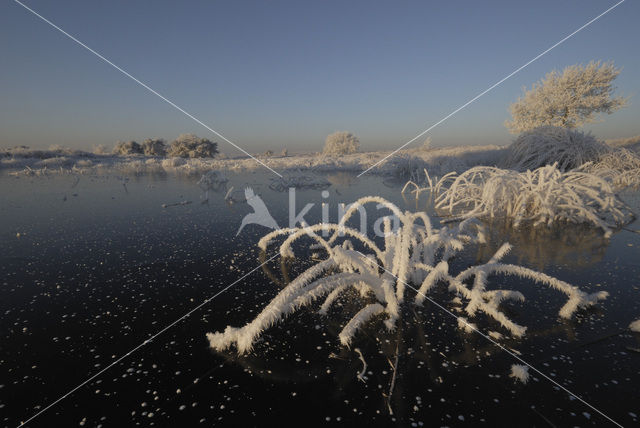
(569, 98)
(154, 147)
(191, 146)
(341, 143)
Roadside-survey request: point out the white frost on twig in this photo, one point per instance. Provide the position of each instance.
(364, 366)
(465, 325)
(495, 335)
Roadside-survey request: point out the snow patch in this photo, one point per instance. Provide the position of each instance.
(520, 372)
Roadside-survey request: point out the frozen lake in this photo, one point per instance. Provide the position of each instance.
(92, 266)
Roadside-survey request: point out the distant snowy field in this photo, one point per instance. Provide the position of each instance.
(403, 164)
(438, 161)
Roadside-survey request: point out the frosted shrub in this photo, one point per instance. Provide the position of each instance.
(191, 146)
(544, 196)
(568, 99)
(154, 147)
(18, 151)
(547, 145)
(341, 143)
(621, 167)
(127, 148)
(27, 152)
(414, 255)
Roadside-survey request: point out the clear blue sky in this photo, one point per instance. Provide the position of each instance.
(275, 74)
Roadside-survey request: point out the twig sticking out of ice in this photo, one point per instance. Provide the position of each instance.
(176, 204)
(364, 366)
(211, 180)
(543, 196)
(520, 372)
(394, 368)
(635, 326)
(417, 190)
(227, 196)
(415, 253)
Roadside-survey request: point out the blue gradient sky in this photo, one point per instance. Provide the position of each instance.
(277, 74)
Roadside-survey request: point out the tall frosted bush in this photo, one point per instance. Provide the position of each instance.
(192, 146)
(548, 145)
(341, 143)
(154, 147)
(127, 148)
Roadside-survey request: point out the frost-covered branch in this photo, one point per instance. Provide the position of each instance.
(416, 255)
